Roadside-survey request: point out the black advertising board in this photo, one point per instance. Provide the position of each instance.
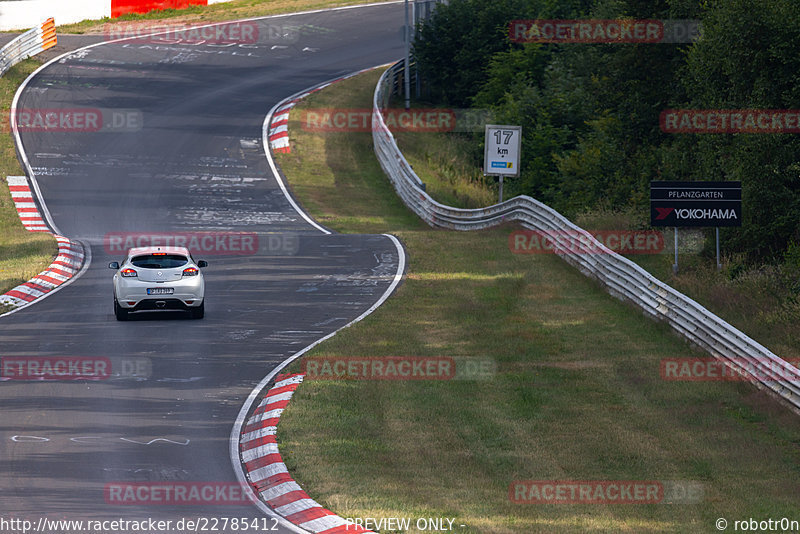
(695, 204)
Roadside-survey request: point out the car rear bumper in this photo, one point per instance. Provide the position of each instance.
(132, 295)
(152, 304)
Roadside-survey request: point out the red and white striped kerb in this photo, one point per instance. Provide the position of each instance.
(66, 264)
(278, 132)
(269, 476)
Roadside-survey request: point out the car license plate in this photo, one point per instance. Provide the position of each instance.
(160, 290)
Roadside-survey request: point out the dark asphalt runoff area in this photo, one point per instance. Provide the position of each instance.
(179, 150)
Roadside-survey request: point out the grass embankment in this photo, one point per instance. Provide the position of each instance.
(759, 300)
(578, 393)
(438, 159)
(234, 10)
(23, 254)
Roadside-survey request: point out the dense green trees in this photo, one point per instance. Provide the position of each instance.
(590, 112)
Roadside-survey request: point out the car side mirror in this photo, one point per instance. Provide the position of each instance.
(202, 263)
(113, 265)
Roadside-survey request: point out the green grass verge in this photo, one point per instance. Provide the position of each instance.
(439, 159)
(23, 254)
(577, 396)
(759, 300)
(234, 10)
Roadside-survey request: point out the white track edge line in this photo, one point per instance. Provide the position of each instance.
(87, 260)
(32, 177)
(274, 168)
(15, 101)
(266, 143)
(234, 440)
(26, 163)
(238, 425)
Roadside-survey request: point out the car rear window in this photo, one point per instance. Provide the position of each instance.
(159, 261)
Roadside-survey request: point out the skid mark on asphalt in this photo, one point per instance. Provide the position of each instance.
(86, 440)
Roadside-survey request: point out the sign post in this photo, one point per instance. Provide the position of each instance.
(695, 204)
(501, 152)
(406, 74)
(675, 264)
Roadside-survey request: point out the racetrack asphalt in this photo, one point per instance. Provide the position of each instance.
(178, 150)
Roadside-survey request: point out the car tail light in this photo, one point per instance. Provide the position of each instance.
(128, 273)
(191, 271)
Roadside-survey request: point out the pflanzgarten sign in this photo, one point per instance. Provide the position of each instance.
(698, 204)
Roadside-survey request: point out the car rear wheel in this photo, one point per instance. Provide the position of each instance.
(200, 311)
(120, 312)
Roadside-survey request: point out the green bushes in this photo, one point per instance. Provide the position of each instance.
(590, 112)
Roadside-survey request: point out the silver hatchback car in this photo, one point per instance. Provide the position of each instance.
(158, 278)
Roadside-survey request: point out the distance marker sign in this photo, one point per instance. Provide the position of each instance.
(501, 152)
(695, 204)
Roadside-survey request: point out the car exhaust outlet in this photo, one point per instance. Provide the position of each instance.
(160, 304)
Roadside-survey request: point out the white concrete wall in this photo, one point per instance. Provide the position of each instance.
(25, 14)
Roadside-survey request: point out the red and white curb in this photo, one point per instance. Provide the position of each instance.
(278, 132)
(67, 264)
(279, 129)
(252, 446)
(26, 207)
(267, 473)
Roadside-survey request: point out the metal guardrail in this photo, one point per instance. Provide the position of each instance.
(28, 44)
(622, 278)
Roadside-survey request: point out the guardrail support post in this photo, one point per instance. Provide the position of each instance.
(675, 265)
(406, 75)
(501, 188)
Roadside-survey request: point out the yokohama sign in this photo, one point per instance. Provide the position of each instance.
(695, 204)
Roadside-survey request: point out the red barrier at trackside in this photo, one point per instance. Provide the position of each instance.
(122, 7)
